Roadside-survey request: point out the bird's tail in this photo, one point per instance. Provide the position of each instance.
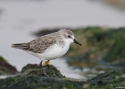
(23, 46)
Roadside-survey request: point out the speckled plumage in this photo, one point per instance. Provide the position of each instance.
(40, 44)
(49, 46)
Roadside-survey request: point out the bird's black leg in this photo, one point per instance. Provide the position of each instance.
(52, 71)
(42, 69)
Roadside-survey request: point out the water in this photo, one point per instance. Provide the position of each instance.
(19, 19)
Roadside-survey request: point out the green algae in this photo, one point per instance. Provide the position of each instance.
(29, 66)
(108, 80)
(101, 46)
(6, 68)
(34, 69)
(35, 82)
(3, 59)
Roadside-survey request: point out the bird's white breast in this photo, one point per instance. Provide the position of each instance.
(53, 52)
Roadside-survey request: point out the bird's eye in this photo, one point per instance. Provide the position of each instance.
(69, 36)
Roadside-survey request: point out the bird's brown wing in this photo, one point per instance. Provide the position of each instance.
(38, 45)
(41, 44)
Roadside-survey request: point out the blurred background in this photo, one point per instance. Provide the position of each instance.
(98, 25)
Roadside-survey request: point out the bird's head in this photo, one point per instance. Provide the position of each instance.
(68, 36)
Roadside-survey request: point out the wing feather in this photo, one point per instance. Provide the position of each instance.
(41, 44)
(38, 45)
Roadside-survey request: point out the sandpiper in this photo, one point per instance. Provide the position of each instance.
(49, 47)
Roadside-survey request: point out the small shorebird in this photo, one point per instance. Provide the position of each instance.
(50, 46)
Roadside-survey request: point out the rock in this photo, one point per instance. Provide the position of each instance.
(108, 80)
(101, 47)
(29, 67)
(34, 69)
(32, 77)
(37, 82)
(6, 68)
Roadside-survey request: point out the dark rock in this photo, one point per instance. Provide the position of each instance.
(101, 46)
(29, 66)
(6, 68)
(34, 69)
(108, 80)
(36, 82)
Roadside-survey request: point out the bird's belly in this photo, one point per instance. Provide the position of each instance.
(53, 52)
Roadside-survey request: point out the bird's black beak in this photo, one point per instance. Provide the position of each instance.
(75, 41)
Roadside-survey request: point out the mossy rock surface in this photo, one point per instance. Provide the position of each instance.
(108, 80)
(34, 69)
(6, 68)
(36, 82)
(101, 46)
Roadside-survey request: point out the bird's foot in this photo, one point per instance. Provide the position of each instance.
(47, 63)
(43, 69)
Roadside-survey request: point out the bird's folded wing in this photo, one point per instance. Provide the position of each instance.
(41, 44)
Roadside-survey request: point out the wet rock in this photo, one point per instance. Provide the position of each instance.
(36, 82)
(32, 77)
(101, 47)
(29, 67)
(34, 69)
(6, 68)
(108, 80)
